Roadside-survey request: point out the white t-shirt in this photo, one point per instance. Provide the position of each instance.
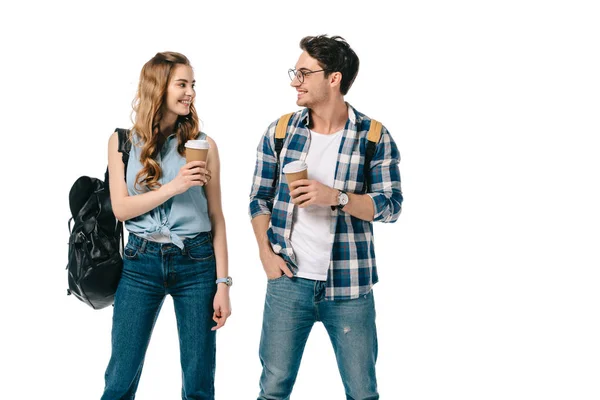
(312, 229)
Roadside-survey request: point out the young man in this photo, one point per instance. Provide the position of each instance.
(315, 236)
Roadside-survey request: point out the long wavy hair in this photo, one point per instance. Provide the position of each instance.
(148, 109)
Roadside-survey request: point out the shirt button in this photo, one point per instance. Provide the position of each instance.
(276, 248)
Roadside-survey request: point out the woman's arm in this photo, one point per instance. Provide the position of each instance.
(126, 207)
(212, 189)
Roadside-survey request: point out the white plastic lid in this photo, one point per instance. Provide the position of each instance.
(294, 166)
(197, 144)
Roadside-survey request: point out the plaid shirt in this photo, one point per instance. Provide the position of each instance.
(352, 269)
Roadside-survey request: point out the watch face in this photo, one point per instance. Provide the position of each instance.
(343, 199)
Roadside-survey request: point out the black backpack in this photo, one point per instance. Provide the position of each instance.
(96, 239)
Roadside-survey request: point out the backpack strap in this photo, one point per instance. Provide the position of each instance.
(280, 133)
(373, 138)
(124, 146)
(124, 149)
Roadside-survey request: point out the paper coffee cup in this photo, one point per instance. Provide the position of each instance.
(295, 170)
(196, 150)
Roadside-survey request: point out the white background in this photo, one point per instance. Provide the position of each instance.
(489, 280)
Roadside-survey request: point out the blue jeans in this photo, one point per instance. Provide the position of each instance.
(292, 306)
(150, 272)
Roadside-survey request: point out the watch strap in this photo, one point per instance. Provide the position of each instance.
(226, 280)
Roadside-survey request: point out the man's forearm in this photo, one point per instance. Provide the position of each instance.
(360, 206)
(260, 224)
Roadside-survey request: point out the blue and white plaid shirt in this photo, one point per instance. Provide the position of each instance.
(352, 269)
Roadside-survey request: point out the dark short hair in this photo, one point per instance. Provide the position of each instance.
(334, 55)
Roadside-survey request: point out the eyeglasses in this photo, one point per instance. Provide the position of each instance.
(300, 74)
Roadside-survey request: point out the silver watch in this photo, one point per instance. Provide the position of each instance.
(228, 281)
(342, 199)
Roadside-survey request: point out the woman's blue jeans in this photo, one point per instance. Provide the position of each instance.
(150, 272)
(292, 306)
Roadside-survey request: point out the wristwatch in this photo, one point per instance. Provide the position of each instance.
(342, 199)
(228, 281)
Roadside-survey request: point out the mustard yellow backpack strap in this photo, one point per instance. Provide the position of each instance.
(373, 138)
(374, 131)
(280, 133)
(281, 129)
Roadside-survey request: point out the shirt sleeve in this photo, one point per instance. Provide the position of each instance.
(262, 193)
(385, 190)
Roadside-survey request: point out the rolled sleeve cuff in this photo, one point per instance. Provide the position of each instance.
(383, 208)
(259, 207)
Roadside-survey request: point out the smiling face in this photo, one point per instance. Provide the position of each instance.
(316, 89)
(180, 92)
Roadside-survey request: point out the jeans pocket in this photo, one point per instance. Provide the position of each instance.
(203, 252)
(130, 252)
(276, 279)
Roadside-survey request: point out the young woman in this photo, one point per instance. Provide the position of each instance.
(177, 244)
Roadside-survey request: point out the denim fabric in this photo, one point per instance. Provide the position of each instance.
(292, 306)
(150, 272)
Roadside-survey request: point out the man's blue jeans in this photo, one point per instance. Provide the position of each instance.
(292, 306)
(150, 272)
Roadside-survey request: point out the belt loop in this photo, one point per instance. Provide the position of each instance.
(143, 246)
(185, 246)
